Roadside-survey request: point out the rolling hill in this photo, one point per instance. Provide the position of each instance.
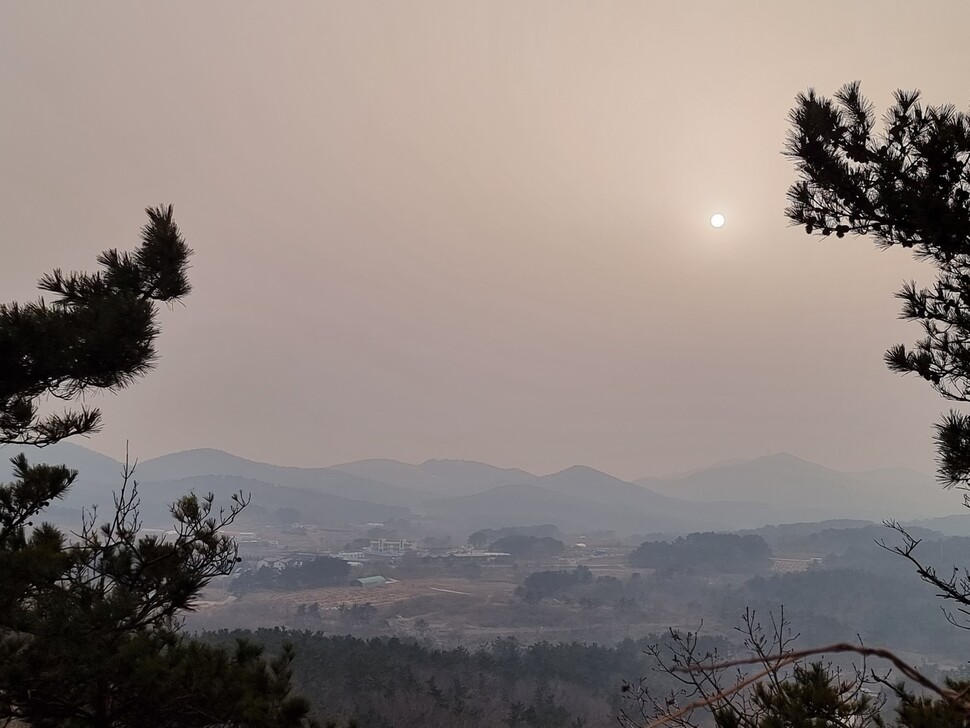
(162, 480)
(442, 477)
(802, 488)
(202, 462)
(521, 505)
(322, 509)
(774, 489)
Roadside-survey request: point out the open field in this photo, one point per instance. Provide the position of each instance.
(387, 594)
(411, 597)
(445, 609)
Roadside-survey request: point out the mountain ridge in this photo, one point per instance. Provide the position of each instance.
(786, 480)
(770, 489)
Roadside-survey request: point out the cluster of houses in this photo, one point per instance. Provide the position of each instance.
(386, 551)
(390, 550)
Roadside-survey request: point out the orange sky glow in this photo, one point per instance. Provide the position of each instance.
(475, 230)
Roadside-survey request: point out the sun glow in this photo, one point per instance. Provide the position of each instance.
(717, 220)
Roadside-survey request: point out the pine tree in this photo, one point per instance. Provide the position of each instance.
(97, 333)
(89, 626)
(908, 185)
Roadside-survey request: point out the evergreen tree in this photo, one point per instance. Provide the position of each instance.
(905, 185)
(97, 333)
(810, 698)
(908, 185)
(89, 627)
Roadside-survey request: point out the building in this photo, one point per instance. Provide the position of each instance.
(350, 555)
(370, 581)
(482, 557)
(381, 545)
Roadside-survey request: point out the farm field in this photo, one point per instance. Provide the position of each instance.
(386, 594)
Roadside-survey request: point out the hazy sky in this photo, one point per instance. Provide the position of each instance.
(475, 230)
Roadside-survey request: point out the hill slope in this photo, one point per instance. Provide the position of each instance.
(267, 499)
(195, 463)
(442, 477)
(792, 485)
(521, 505)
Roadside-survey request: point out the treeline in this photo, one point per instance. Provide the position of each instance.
(835, 605)
(874, 598)
(521, 546)
(317, 572)
(548, 583)
(581, 587)
(399, 683)
(484, 537)
(721, 552)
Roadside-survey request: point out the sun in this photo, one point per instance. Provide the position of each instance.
(717, 220)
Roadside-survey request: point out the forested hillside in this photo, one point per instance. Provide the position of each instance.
(395, 683)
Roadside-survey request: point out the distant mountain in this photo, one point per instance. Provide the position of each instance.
(790, 484)
(904, 477)
(956, 525)
(777, 532)
(775, 489)
(323, 496)
(443, 477)
(194, 463)
(584, 499)
(521, 505)
(594, 485)
(678, 514)
(690, 471)
(92, 467)
(770, 479)
(97, 474)
(321, 508)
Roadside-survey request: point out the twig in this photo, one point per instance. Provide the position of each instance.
(954, 698)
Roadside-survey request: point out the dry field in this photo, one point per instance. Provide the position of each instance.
(790, 566)
(386, 594)
(269, 608)
(446, 609)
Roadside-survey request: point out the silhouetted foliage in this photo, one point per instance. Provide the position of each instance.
(922, 711)
(784, 691)
(405, 683)
(528, 547)
(722, 552)
(316, 572)
(486, 536)
(907, 185)
(89, 626)
(549, 583)
(97, 333)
